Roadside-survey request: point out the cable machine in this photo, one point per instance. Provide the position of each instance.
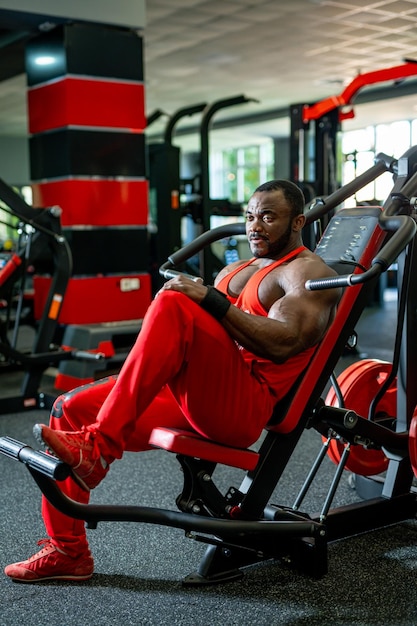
(164, 192)
(41, 245)
(314, 135)
(173, 197)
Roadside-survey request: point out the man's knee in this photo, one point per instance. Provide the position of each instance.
(85, 398)
(56, 410)
(170, 300)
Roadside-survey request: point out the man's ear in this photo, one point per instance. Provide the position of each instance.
(298, 222)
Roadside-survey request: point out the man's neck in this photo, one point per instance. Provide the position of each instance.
(263, 261)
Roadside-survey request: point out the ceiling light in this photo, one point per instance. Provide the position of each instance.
(45, 60)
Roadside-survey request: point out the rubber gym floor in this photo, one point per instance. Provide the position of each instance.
(372, 578)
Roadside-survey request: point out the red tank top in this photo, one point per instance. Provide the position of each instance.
(278, 377)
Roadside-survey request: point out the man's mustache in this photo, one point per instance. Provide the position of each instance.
(258, 237)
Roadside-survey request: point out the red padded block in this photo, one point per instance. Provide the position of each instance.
(412, 442)
(96, 300)
(95, 202)
(78, 101)
(190, 443)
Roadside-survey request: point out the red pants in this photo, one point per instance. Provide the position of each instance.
(183, 371)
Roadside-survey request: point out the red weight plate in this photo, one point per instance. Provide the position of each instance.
(359, 384)
(412, 442)
(345, 381)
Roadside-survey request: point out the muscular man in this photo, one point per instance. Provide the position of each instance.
(215, 360)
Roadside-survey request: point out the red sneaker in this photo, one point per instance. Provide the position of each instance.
(51, 563)
(79, 450)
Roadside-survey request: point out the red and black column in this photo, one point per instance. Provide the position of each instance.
(87, 155)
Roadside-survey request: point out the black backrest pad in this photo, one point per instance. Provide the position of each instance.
(345, 240)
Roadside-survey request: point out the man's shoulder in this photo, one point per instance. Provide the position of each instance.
(309, 257)
(228, 269)
(305, 258)
(305, 266)
(232, 266)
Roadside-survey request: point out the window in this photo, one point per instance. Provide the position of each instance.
(8, 222)
(359, 148)
(237, 172)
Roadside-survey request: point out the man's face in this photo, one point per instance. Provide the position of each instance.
(268, 224)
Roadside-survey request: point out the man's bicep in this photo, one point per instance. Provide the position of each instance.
(306, 314)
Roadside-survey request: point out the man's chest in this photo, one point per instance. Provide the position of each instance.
(253, 283)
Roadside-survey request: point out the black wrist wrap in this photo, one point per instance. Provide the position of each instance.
(216, 303)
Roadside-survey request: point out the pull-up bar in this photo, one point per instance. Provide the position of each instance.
(317, 110)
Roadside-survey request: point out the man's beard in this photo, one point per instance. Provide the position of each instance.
(277, 246)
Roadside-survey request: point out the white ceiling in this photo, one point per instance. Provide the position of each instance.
(280, 52)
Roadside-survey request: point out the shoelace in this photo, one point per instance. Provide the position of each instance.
(46, 547)
(91, 439)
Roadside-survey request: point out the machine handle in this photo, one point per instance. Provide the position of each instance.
(190, 249)
(84, 355)
(347, 280)
(322, 206)
(170, 273)
(40, 461)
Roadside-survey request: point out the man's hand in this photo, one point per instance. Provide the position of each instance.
(192, 288)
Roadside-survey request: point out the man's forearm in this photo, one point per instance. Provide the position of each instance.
(267, 338)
